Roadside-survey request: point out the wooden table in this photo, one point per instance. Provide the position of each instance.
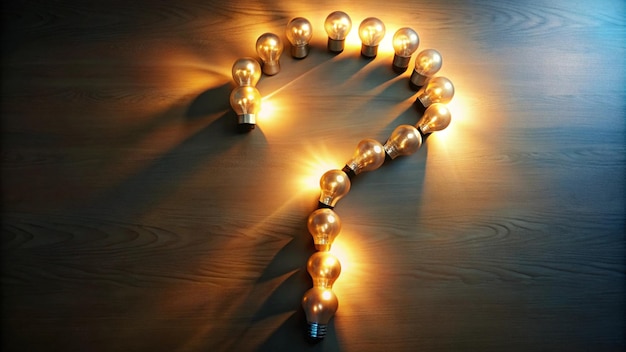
(135, 218)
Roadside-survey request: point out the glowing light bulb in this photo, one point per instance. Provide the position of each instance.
(269, 47)
(436, 118)
(337, 25)
(299, 32)
(246, 72)
(324, 269)
(319, 304)
(404, 140)
(427, 63)
(371, 32)
(324, 225)
(437, 90)
(246, 101)
(405, 42)
(334, 184)
(368, 156)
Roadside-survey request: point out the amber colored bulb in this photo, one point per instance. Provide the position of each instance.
(437, 90)
(324, 269)
(368, 156)
(246, 72)
(246, 102)
(320, 305)
(334, 184)
(269, 47)
(337, 25)
(371, 31)
(299, 32)
(436, 118)
(324, 225)
(404, 140)
(427, 63)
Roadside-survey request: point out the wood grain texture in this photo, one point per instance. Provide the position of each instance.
(134, 218)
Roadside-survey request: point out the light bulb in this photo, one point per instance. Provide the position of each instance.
(324, 269)
(334, 184)
(319, 304)
(246, 72)
(371, 32)
(437, 90)
(427, 63)
(435, 118)
(299, 32)
(246, 101)
(324, 225)
(405, 42)
(404, 140)
(368, 156)
(337, 25)
(269, 47)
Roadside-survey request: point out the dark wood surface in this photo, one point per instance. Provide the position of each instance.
(134, 218)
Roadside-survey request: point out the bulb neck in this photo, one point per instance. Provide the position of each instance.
(423, 134)
(249, 119)
(391, 151)
(417, 80)
(271, 68)
(350, 170)
(322, 247)
(316, 332)
(400, 63)
(421, 105)
(336, 45)
(300, 51)
(321, 204)
(369, 51)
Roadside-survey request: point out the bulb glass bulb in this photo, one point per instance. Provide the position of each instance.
(246, 72)
(299, 32)
(368, 156)
(371, 32)
(404, 140)
(427, 63)
(405, 42)
(437, 90)
(246, 102)
(324, 225)
(337, 25)
(334, 184)
(324, 269)
(319, 304)
(269, 47)
(436, 118)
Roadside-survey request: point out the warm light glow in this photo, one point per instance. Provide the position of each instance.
(334, 185)
(438, 90)
(299, 31)
(404, 140)
(246, 102)
(371, 31)
(436, 118)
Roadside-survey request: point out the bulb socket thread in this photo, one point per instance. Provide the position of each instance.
(369, 51)
(336, 45)
(300, 51)
(316, 332)
(417, 80)
(400, 63)
(271, 68)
